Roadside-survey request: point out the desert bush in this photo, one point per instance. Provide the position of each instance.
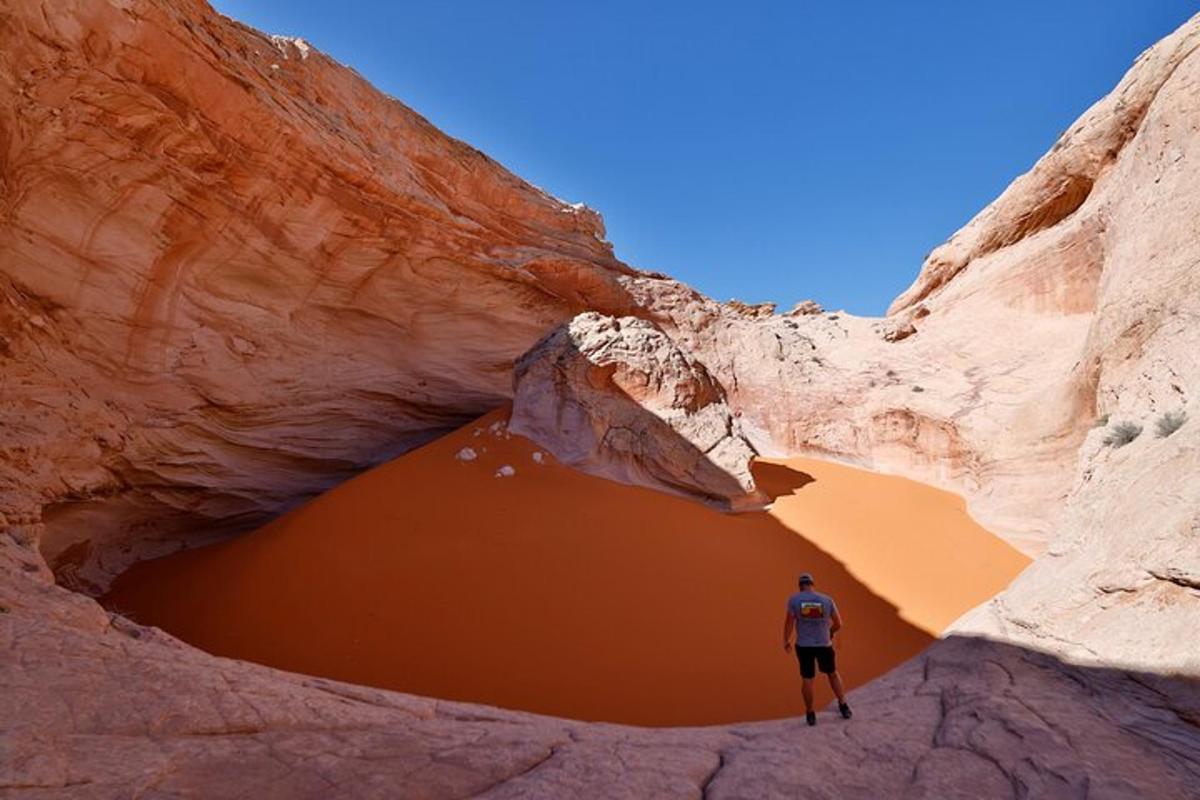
(1122, 434)
(918, 388)
(1169, 422)
(1101, 421)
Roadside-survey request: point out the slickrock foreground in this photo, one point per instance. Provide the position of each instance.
(96, 707)
(233, 275)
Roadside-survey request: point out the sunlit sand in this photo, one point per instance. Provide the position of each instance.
(508, 579)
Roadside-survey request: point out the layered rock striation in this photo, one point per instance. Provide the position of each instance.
(233, 274)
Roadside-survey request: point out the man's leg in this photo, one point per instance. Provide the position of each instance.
(808, 670)
(829, 667)
(835, 683)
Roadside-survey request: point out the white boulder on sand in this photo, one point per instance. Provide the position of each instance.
(616, 397)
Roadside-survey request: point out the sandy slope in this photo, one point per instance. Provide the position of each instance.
(558, 592)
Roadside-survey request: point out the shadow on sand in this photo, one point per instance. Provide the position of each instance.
(779, 480)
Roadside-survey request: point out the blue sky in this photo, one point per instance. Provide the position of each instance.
(764, 151)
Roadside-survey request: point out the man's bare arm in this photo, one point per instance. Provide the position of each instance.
(789, 623)
(836, 623)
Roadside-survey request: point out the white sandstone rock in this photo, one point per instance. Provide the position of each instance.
(617, 397)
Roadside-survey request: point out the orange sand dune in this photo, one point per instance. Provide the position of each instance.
(558, 592)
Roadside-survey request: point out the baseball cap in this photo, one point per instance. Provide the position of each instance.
(806, 577)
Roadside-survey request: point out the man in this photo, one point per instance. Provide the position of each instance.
(815, 619)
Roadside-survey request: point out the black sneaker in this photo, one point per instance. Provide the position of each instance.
(811, 718)
(845, 709)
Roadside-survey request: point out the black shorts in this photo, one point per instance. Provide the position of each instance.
(812, 657)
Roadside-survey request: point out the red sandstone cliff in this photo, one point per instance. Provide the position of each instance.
(234, 273)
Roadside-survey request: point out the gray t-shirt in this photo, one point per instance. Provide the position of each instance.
(813, 613)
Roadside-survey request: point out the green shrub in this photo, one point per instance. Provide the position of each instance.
(1169, 422)
(1101, 421)
(1122, 434)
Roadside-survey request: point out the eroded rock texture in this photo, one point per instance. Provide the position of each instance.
(233, 274)
(616, 397)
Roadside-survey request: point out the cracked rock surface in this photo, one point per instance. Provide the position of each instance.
(96, 706)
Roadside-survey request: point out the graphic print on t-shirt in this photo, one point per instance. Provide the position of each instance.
(812, 610)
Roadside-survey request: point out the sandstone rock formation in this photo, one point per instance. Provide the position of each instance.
(1044, 330)
(1053, 327)
(988, 375)
(984, 414)
(616, 397)
(233, 274)
(806, 307)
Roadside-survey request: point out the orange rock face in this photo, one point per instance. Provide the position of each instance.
(234, 273)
